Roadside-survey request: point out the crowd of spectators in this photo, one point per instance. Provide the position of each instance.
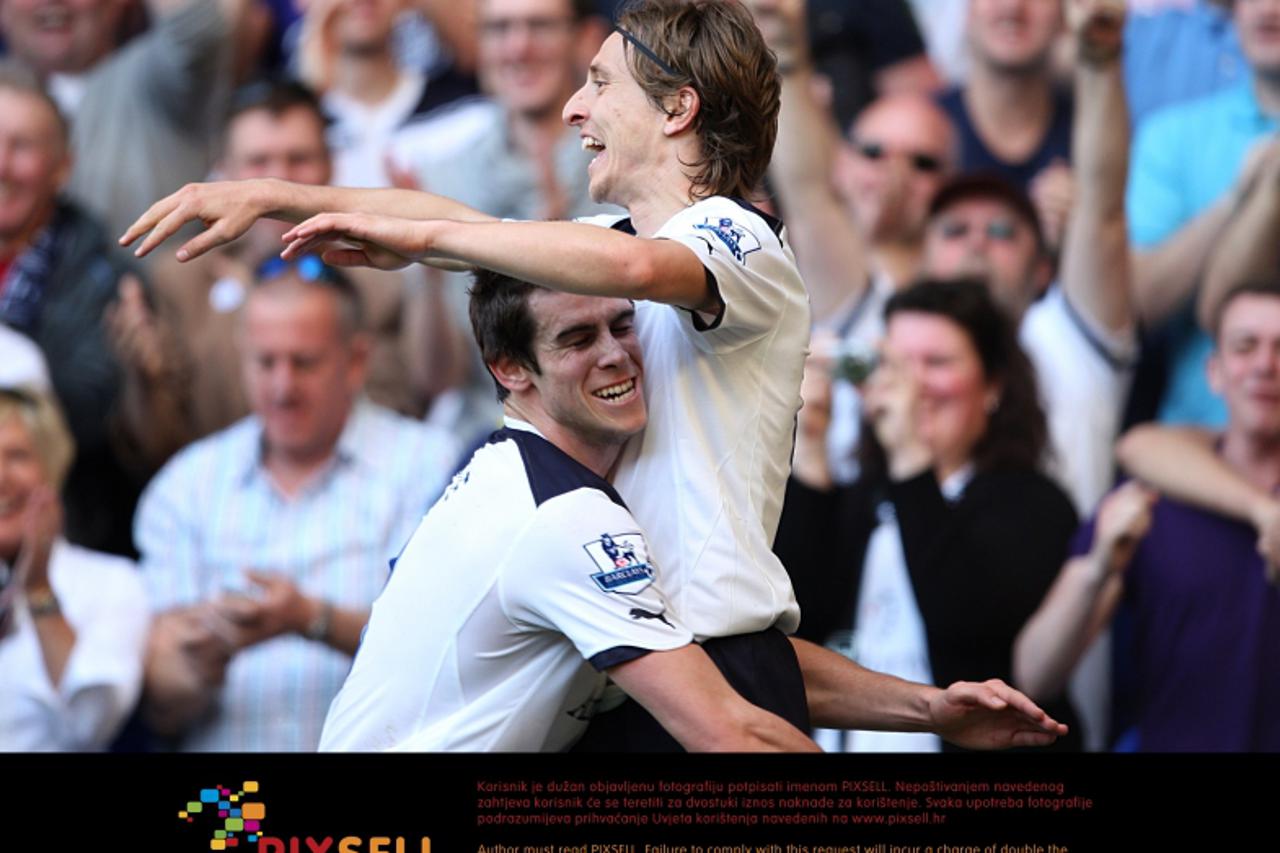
(1036, 234)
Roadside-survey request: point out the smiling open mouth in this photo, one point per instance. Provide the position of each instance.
(616, 392)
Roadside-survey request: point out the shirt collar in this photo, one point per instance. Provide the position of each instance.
(524, 426)
(357, 444)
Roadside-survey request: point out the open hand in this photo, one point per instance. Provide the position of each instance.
(991, 715)
(226, 208)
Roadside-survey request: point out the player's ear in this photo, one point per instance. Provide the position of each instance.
(511, 374)
(682, 109)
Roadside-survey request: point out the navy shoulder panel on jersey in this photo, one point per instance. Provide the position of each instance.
(774, 223)
(550, 470)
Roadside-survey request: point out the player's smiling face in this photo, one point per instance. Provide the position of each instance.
(590, 380)
(618, 123)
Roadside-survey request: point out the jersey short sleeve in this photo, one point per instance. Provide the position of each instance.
(747, 262)
(582, 568)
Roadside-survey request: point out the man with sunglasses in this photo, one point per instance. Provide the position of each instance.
(680, 108)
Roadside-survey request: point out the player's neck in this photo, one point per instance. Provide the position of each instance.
(652, 210)
(598, 457)
(660, 189)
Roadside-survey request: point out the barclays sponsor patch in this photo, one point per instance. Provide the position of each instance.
(738, 240)
(623, 562)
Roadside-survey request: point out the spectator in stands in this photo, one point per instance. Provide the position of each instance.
(1199, 662)
(510, 156)
(347, 55)
(1010, 116)
(1080, 336)
(1203, 210)
(922, 542)
(264, 544)
(513, 156)
(143, 113)
(73, 622)
(59, 279)
(276, 130)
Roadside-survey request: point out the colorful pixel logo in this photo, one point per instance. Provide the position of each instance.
(237, 817)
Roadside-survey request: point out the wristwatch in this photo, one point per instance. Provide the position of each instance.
(42, 602)
(318, 630)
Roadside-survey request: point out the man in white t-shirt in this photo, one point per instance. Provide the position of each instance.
(681, 108)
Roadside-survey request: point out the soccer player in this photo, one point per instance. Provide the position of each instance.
(681, 108)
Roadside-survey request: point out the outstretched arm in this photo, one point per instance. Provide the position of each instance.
(568, 256)
(990, 715)
(1095, 261)
(228, 208)
(689, 697)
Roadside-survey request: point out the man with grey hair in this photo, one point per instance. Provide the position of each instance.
(62, 285)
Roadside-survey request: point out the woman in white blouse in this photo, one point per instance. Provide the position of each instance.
(73, 622)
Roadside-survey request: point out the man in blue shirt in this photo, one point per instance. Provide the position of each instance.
(1195, 202)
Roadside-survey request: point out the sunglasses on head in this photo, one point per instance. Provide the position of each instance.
(926, 163)
(307, 268)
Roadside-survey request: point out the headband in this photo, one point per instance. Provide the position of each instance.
(646, 50)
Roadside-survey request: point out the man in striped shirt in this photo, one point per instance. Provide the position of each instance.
(264, 544)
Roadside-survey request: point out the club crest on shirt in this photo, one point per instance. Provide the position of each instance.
(739, 241)
(623, 562)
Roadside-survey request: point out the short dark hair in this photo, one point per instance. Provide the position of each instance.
(313, 272)
(276, 95)
(714, 47)
(502, 323)
(1261, 287)
(1017, 432)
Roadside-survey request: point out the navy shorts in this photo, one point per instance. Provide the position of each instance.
(761, 666)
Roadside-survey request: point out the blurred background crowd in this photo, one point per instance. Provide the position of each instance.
(1041, 431)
